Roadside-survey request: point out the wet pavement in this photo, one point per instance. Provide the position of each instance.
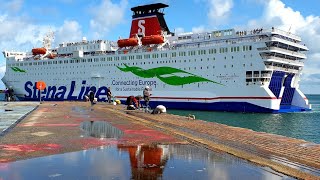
(62, 127)
(101, 129)
(138, 162)
(70, 140)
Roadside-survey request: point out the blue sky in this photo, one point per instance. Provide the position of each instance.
(24, 22)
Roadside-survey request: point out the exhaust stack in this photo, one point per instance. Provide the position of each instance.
(148, 20)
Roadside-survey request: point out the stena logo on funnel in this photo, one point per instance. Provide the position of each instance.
(141, 29)
(145, 25)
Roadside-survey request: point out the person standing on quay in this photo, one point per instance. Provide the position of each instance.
(109, 94)
(6, 93)
(146, 96)
(91, 98)
(11, 94)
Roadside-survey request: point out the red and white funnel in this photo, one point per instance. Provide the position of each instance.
(148, 20)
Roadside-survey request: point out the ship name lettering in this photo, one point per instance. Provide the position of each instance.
(60, 93)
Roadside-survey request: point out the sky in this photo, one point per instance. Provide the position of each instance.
(23, 23)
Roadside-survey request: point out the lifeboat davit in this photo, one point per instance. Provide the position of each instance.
(52, 56)
(36, 51)
(153, 39)
(127, 42)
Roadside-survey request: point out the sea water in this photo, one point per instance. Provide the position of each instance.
(1, 97)
(300, 125)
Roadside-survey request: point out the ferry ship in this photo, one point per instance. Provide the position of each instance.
(256, 70)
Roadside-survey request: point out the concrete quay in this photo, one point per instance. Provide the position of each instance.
(53, 128)
(13, 112)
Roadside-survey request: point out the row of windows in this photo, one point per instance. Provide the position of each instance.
(81, 48)
(102, 60)
(32, 71)
(190, 53)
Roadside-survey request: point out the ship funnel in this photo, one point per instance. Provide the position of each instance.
(148, 20)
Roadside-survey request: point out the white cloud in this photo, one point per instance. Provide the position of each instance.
(178, 30)
(277, 14)
(199, 29)
(70, 31)
(106, 16)
(219, 11)
(2, 68)
(20, 34)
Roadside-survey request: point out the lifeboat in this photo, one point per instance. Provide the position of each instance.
(153, 39)
(127, 42)
(36, 51)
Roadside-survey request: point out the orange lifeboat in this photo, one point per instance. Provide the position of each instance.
(36, 51)
(127, 42)
(153, 39)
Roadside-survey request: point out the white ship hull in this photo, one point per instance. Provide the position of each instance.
(235, 72)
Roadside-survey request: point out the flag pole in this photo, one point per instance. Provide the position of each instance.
(40, 92)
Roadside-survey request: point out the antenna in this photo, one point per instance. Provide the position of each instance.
(290, 29)
(47, 40)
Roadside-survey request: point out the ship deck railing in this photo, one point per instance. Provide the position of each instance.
(286, 33)
(290, 43)
(276, 68)
(297, 62)
(214, 42)
(292, 53)
(196, 43)
(268, 31)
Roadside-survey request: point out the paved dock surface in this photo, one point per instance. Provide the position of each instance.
(54, 128)
(12, 112)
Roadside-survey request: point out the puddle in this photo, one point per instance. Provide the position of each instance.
(138, 162)
(77, 109)
(100, 129)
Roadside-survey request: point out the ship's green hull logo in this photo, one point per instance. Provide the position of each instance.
(168, 75)
(16, 69)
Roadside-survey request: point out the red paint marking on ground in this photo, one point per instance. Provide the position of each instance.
(4, 161)
(26, 148)
(49, 125)
(79, 120)
(87, 143)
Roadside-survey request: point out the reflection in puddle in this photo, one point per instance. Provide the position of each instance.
(100, 129)
(138, 162)
(146, 162)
